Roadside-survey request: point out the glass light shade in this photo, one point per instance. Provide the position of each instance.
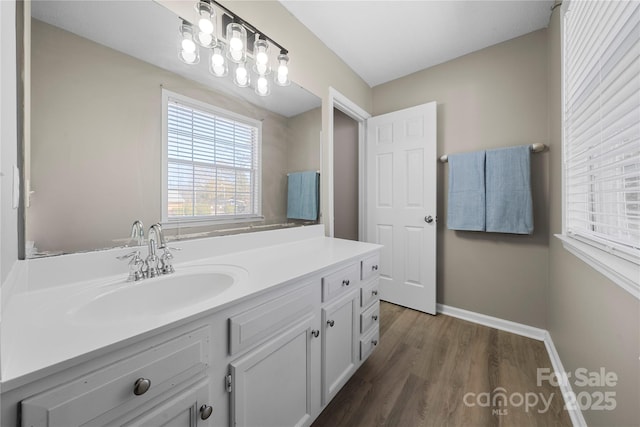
(281, 77)
(261, 57)
(205, 34)
(236, 43)
(262, 86)
(187, 48)
(218, 63)
(241, 76)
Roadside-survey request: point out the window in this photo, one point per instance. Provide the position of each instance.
(212, 163)
(601, 143)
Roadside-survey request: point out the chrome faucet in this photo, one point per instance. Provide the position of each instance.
(137, 232)
(153, 265)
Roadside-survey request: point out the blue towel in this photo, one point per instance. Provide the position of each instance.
(466, 208)
(303, 195)
(508, 176)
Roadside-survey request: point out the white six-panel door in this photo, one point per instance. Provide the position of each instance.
(401, 204)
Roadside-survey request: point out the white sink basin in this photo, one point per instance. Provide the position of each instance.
(127, 301)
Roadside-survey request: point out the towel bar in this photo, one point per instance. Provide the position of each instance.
(535, 148)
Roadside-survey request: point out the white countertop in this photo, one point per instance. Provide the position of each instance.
(40, 338)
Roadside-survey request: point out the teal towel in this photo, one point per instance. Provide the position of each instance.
(303, 192)
(508, 181)
(466, 205)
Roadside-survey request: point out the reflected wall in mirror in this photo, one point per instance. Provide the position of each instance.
(97, 73)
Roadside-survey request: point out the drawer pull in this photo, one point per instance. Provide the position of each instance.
(374, 342)
(141, 386)
(345, 282)
(374, 293)
(330, 323)
(205, 412)
(374, 317)
(315, 333)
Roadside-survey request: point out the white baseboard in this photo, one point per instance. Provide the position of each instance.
(493, 322)
(577, 419)
(543, 335)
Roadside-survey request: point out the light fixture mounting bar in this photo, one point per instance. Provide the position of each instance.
(249, 26)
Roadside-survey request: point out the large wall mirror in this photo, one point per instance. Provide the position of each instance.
(93, 124)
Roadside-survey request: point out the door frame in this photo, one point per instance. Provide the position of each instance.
(353, 110)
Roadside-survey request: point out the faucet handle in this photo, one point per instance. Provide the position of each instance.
(136, 266)
(166, 261)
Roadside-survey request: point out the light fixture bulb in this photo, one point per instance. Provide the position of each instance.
(205, 25)
(237, 42)
(205, 35)
(261, 56)
(262, 86)
(217, 64)
(188, 45)
(242, 78)
(187, 48)
(282, 75)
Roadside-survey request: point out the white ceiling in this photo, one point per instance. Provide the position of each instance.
(384, 40)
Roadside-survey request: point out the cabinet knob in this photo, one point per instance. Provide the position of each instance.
(374, 267)
(374, 342)
(330, 323)
(315, 333)
(141, 386)
(374, 293)
(374, 317)
(205, 412)
(345, 282)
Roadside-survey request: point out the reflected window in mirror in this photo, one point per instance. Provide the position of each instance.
(212, 163)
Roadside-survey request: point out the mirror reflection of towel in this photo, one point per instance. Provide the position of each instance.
(303, 191)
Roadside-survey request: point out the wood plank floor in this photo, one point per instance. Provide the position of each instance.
(426, 367)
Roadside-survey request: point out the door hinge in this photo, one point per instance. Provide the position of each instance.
(227, 381)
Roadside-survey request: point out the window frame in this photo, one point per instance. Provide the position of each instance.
(620, 268)
(206, 220)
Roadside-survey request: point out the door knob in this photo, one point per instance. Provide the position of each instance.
(428, 219)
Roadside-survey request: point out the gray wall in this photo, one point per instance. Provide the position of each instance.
(495, 97)
(345, 176)
(592, 321)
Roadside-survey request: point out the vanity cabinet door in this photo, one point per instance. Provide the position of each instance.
(340, 342)
(190, 408)
(272, 385)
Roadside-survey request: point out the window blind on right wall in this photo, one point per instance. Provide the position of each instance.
(602, 125)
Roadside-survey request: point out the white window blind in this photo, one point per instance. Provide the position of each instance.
(602, 124)
(213, 164)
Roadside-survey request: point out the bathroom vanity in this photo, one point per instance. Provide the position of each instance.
(296, 315)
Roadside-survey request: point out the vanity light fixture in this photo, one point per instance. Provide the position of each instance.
(282, 76)
(218, 63)
(261, 56)
(206, 33)
(242, 77)
(237, 43)
(187, 49)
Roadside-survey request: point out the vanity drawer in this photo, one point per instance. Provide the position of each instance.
(370, 292)
(258, 324)
(368, 343)
(370, 267)
(370, 317)
(113, 388)
(339, 282)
